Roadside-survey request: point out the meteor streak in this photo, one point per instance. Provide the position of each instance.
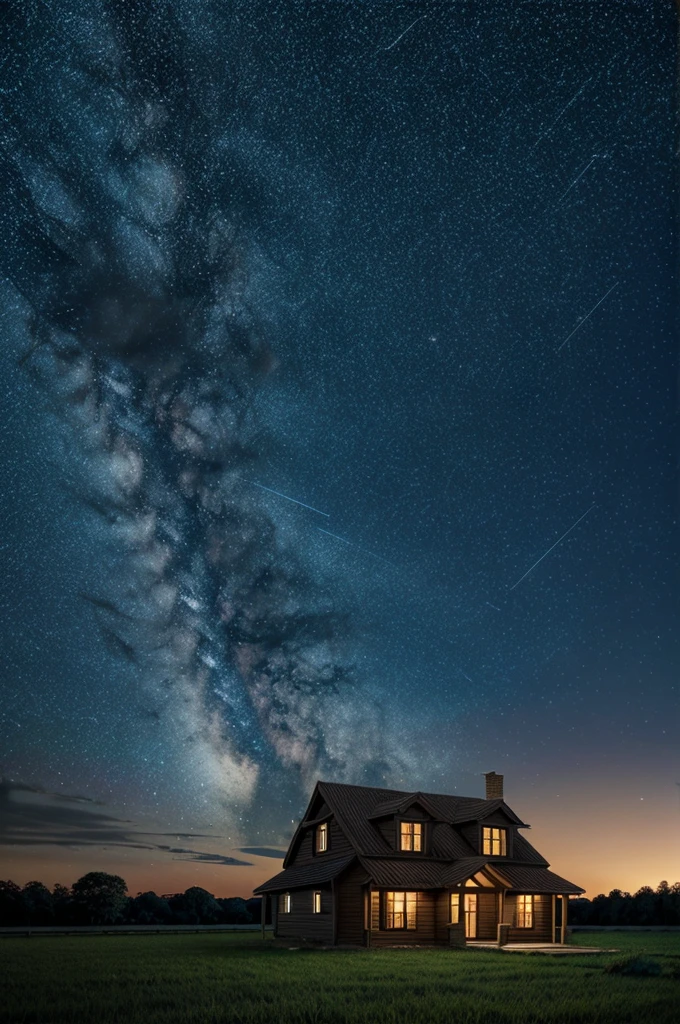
(386, 48)
(577, 179)
(566, 534)
(580, 324)
(288, 498)
(343, 540)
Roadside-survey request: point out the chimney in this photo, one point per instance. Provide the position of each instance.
(494, 786)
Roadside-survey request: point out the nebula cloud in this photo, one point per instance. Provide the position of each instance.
(136, 215)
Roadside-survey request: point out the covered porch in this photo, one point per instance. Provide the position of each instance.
(483, 906)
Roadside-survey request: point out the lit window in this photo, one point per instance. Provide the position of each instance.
(411, 836)
(494, 841)
(317, 902)
(400, 910)
(284, 903)
(322, 838)
(525, 911)
(455, 908)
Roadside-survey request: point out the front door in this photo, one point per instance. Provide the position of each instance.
(471, 915)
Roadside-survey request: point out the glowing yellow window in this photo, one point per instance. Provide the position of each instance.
(317, 902)
(284, 903)
(411, 836)
(322, 837)
(525, 911)
(400, 910)
(455, 908)
(494, 841)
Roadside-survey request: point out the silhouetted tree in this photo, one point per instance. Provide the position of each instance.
(62, 904)
(12, 906)
(645, 907)
(39, 903)
(99, 898)
(254, 908)
(235, 911)
(148, 908)
(195, 906)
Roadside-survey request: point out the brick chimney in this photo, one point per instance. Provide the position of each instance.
(494, 786)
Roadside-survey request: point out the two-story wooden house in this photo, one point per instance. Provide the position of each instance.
(381, 867)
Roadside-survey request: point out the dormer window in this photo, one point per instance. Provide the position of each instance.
(495, 841)
(411, 836)
(321, 838)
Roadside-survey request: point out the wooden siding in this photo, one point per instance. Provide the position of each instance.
(487, 915)
(541, 931)
(349, 895)
(302, 922)
(442, 917)
(425, 932)
(338, 846)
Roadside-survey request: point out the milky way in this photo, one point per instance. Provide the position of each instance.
(332, 319)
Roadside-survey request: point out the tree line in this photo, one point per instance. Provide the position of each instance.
(99, 898)
(645, 907)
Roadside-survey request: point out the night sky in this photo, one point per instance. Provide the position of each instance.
(339, 426)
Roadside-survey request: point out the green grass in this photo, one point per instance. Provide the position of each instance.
(209, 979)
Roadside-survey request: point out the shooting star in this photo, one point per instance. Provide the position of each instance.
(343, 540)
(288, 498)
(561, 113)
(494, 606)
(580, 324)
(576, 180)
(386, 48)
(566, 534)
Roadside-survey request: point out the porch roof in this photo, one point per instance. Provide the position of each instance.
(403, 874)
(535, 880)
(320, 870)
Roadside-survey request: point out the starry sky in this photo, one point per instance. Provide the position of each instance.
(339, 426)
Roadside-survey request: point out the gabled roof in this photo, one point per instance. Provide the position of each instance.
(356, 807)
(459, 872)
(316, 873)
(449, 861)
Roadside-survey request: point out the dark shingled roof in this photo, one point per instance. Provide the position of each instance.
(539, 880)
(403, 874)
(523, 850)
(356, 806)
(319, 871)
(450, 860)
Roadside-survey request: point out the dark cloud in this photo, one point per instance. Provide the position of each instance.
(32, 816)
(204, 858)
(263, 851)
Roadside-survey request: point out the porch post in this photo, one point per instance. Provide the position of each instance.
(367, 915)
(563, 931)
(552, 918)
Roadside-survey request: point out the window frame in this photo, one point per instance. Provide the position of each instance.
(316, 901)
(321, 829)
(286, 904)
(502, 841)
(524, 915)
(409, 912)
(454, 902)
(412, 822)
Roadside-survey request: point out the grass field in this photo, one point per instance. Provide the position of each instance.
(209, 979)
